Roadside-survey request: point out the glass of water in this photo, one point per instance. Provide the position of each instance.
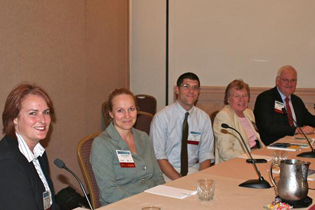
(279, 155)
(205, 189)
(151, 208)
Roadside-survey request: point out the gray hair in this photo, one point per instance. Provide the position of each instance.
(284, 68)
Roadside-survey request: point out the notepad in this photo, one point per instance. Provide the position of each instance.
(172, 192)
(284, 146)
(303, 138)
(245, 156)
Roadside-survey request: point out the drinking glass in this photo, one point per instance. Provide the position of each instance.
(279, 155)
(151, 208)
(205, 189)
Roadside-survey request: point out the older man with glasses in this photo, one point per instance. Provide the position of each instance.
(279, 112)
(182, 133)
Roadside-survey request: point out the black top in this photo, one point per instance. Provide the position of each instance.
(20, 186)
(273, 125)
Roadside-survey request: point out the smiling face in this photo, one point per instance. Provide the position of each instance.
(33, 121)
(188, 93)
(238, 100)
(286, 81)
(124, 112)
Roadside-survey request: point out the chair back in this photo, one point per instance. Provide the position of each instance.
(146, 103)
(143, 121)
(105, 112)
(213, 115)
(84, 151)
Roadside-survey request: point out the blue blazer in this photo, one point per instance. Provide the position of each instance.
(20, 186)
(273, 125)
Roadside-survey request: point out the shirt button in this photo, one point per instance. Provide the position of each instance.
(144, 167)
(142, 181)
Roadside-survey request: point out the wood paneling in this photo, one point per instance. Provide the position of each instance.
(211, 97)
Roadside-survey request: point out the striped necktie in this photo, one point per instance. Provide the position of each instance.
(289, 111)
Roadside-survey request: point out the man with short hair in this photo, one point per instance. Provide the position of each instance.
(182, 133)
(279, 112)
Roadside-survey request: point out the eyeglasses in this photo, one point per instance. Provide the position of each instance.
(240, 96)
(188, 87)
(288, 80)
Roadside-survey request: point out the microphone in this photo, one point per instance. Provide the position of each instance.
(259, 183)
(60, 164)
(310, 154)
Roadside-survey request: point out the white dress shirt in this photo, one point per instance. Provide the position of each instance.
(166, 134)
(32, 157)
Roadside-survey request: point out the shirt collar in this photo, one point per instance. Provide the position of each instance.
(25, 150)
(283, 96)
(113, 133)
(181, 110)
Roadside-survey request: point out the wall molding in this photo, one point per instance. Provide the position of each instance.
(211, 97)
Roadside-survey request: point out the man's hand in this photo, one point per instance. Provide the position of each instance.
(205, 164)
(168, 169)
(306, 129)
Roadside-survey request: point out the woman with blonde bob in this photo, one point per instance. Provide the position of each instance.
(236, 114)
(122, 157)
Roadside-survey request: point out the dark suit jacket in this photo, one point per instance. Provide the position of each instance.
(20, 186)
(273, 125)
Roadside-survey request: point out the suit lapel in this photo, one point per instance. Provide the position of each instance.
(277, 95)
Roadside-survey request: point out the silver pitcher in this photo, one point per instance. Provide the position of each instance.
(293, 184)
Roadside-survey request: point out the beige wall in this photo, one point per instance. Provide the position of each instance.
(147, 48)
(221, 40)
(77, 51)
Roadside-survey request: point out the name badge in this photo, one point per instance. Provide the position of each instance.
(279, 106)
(125, 159)
(46, 200)
(194, 137)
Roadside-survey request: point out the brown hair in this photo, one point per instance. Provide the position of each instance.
(13, 103)
(113, 94)
(239, 84)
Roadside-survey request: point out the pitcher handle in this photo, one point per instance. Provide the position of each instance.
(271, 175)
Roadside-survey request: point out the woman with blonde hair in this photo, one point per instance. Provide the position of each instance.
(236, 114)
(122, 157)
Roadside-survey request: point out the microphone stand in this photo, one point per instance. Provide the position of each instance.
(60, 164)
(259, 183)
(310, 154)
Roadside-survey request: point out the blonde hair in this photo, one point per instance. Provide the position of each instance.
(112, 95)
(239, 84)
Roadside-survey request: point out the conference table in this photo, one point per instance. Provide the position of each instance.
(228, 195)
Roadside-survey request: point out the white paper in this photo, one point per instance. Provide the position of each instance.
(170, 192)
(245, 156)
